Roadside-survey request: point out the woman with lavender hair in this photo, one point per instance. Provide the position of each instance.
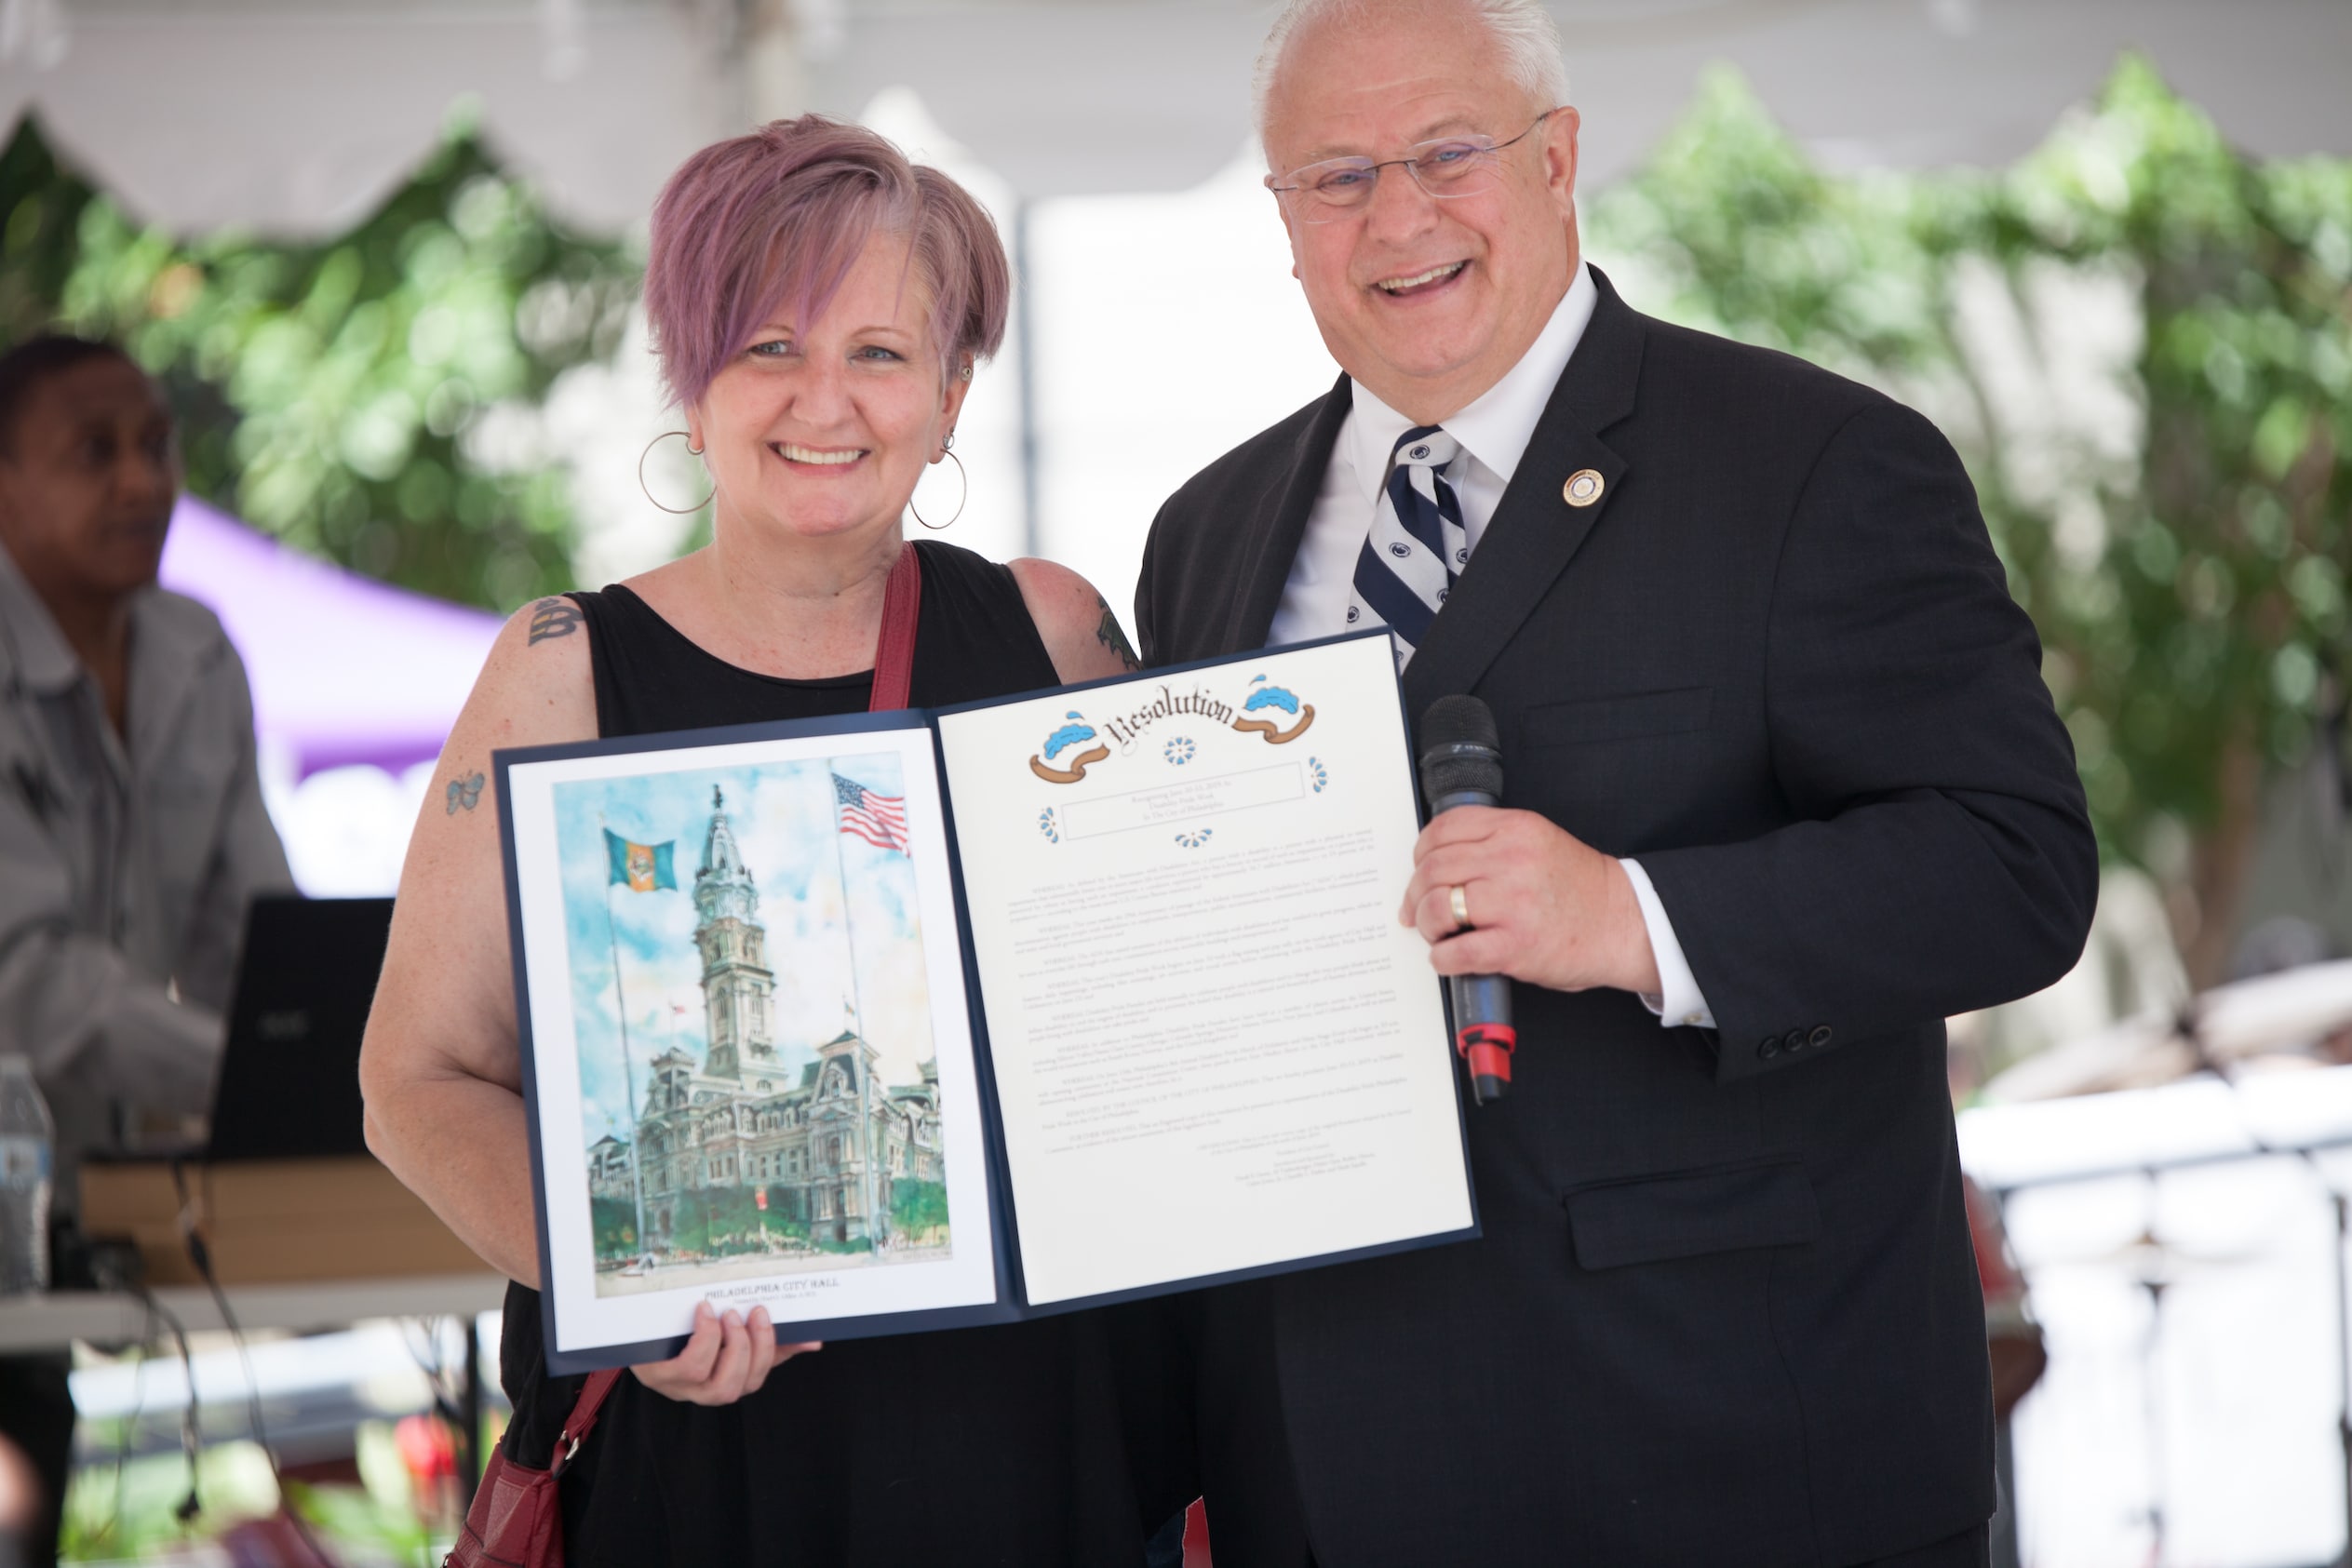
(819, 304)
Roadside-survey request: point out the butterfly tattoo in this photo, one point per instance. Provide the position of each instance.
(464, 792)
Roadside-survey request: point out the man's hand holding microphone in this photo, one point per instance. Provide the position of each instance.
(1502, 892)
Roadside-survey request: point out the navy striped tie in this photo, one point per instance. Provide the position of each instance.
(1417, 547)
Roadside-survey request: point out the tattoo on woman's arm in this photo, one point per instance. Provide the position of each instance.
(1108, 634)
(551, 618)
(465, 792)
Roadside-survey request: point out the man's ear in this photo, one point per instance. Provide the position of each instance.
(1560, 156)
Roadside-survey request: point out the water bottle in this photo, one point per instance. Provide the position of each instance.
(25, 1139)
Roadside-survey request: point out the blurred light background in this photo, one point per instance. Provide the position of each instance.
(384, 254)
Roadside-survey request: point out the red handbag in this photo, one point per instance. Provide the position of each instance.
(514, 1522)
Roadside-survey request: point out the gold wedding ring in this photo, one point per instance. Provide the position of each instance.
(1458, 902)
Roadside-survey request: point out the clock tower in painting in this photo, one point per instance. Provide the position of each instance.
(738, 987)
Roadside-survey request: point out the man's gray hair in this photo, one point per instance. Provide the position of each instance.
(1521, 29)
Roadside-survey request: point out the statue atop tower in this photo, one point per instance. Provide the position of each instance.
(738, 987)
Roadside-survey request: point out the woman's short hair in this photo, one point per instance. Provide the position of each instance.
(774, 220)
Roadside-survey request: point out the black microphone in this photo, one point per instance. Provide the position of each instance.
(1462, 765)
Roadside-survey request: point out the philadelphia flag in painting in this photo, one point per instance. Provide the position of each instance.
(641, 868)
(880, 820)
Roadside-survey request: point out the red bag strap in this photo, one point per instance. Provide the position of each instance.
(894, 655)
(583, 1419)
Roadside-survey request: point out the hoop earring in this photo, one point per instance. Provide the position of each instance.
(947, 451)
(692, 451)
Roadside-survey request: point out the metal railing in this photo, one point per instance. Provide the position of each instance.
(2261, 1150)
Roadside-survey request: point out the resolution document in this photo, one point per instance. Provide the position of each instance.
(1214, 1047)
(906, 1021)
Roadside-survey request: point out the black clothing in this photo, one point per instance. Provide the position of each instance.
(974, 639)
(1971, 1548)
(1728, 1305)
(990, 1445)
(37, 1413)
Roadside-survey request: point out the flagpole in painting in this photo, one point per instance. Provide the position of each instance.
(880, 820)
(865, 1110)
(641, 868)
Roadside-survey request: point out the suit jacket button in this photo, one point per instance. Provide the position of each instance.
(1819, 1036)
(1769, 1048)
(1794, 1042)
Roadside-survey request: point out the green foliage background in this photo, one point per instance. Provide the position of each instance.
(2191, 595)
(326, 392)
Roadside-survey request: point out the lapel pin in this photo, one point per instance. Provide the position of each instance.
(1583, 487)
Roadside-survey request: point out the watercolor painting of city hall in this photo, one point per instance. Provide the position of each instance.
(747, 1170)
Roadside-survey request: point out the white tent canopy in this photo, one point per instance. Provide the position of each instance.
(296, 116)
(1084, 98)
(297, 120)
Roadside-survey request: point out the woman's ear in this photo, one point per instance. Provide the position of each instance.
(952, 402)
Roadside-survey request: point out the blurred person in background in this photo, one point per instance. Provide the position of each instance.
(819, 305)
(1785, 789)
(132, 834)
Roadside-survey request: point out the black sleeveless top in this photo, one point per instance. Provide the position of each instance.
(991, 1445)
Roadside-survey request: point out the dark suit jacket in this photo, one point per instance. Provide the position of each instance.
(1725, 1310)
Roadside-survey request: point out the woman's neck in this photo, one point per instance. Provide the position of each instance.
(788, 605)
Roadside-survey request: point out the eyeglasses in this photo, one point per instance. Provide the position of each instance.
(1450, 166)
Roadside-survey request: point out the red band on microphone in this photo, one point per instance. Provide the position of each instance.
(1487, 1047)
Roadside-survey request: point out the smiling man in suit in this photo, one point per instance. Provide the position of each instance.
(1784, 790)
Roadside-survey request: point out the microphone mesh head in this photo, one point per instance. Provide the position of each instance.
(1461, 749)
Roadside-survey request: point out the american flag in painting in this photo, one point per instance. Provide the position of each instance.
(880, 820)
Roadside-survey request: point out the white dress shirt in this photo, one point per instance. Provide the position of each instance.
(1494, 431)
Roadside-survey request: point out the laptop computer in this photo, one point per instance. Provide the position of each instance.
(289, 1072)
